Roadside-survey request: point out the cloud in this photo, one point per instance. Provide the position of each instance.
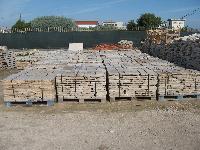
(97, 7)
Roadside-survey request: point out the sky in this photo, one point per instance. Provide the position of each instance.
(101, 10)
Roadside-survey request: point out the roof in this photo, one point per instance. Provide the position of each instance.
(109, 22)
(176, 20)
(113, 22)
(86, 22)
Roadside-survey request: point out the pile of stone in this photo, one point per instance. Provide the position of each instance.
(183, 51)
(83, 83)
(99, 75)
(125, 44)
(7, 58)
(34, 85)
(159, 36)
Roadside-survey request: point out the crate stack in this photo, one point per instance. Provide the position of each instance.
(30, 85)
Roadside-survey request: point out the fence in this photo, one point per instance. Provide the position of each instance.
(61, 29)
(62, 39)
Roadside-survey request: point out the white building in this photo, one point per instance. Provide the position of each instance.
(176, 23)
(118, 25)
(86, 24)
(5, 30)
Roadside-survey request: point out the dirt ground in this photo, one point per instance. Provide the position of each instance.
(110, 126)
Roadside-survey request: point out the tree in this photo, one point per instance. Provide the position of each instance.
(52, 22)
(149, 20)
(21, 25)
(184, 29)
(131, 25)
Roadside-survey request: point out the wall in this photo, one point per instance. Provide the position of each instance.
(62, 39)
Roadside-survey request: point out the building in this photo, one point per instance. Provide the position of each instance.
(176, 23)
(5, 30)
(86, 24)
(118, 25)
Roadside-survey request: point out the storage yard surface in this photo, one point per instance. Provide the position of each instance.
(104, 126)
(135, 125)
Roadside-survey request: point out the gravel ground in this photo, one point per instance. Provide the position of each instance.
(146, 129)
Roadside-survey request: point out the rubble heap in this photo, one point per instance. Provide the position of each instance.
(123, 44)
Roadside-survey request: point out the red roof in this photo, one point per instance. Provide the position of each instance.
(86, 22)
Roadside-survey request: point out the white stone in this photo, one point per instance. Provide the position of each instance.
(75, 46)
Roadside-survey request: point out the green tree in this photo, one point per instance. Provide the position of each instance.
(184, 29)
(149, 20)
(131, 25)
(52, 22)
(21, 25)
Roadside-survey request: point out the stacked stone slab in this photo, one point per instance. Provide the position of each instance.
(86, 82)
(35, 85)
(179, 84)
(100, 75)
(7, 58)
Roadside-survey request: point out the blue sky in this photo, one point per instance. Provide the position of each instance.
(116, 10)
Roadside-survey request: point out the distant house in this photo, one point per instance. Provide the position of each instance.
(86, 24)
(118, 25)
(5, 30)
(176, 23)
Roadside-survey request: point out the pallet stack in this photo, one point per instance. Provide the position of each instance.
(159, 36)
(179, 84)
(87, 83)
(7, 58)
(34, 85)
(98, 75)
(133, 83)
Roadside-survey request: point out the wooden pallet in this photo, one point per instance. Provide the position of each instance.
(28, 103)
(178, 97)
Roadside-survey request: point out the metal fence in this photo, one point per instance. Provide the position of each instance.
(62, 39)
